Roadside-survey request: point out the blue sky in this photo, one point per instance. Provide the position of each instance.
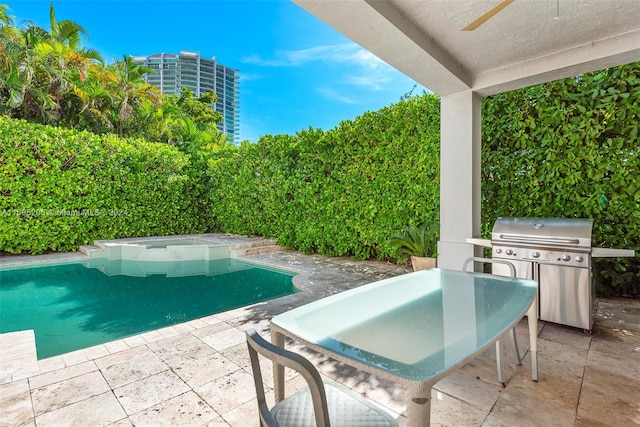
(295, 71)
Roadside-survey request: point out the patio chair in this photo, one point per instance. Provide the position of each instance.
(514, 340)
(320, 404)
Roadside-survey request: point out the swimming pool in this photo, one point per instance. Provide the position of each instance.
(75, 305)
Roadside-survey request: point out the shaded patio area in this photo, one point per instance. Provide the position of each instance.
(198, 373)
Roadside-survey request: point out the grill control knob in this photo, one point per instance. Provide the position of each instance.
(565, 257)
(535, 254)
(509, 252)
(579, 258)
(498, 251)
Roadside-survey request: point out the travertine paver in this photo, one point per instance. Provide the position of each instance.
(95, 352)
(187, 409)
(560, 390)
(65, 392)
(100, 410)
(559, 360)
(116, 346)
(228, 392)
(50, 364)
(198, 373)
(15, 403)
(619, 411)
(225, 339)
(130, 365)
(150, 391)
(18, 358)
(524, 410)
(475, 391)
(621, 386)
(245, 415)
(135, 341)
(178, 349)
(484, 366)
(386, 393)
(566, 336)
(207, 329)
(448, 411)
(622, 359)
(61, 374)
(74, 358)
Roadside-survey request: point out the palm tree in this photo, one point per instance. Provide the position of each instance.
(69, 33)
(8, 37)
(130, 89)
(42, 68)
(25, 86)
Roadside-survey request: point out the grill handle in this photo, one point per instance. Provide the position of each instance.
(512, 268)
(546, 240)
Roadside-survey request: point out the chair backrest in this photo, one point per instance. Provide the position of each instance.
(512, 268)
(258, 345)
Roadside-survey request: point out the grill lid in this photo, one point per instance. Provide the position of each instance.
(553, 232)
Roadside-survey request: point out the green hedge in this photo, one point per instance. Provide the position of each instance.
(61, 188)
(570, 148)
(337, 192)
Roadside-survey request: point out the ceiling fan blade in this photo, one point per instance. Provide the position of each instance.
(487, 15)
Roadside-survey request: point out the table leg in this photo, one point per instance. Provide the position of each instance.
(532, 319)
(277, 339)
(419, 405)
(499, 362)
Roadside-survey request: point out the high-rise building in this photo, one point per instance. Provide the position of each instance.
(187, 69)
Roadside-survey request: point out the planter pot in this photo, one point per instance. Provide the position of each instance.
(423, 263)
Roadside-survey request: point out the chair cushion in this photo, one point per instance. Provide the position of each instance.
(346, 408)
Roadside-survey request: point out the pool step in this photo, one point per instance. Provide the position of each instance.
(256, 247)
(90, 250)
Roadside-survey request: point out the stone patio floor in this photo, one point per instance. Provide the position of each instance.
(198, 373)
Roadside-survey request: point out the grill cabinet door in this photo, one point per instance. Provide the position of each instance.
(565, 295)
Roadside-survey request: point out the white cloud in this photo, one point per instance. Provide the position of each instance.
(332, 94)
(372, 81)
(364, 68)
(347, 53)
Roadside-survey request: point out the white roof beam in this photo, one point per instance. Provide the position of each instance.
(609, 52)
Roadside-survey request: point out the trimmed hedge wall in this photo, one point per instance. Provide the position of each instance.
(337, 192)
(570, 148)
(60, 189)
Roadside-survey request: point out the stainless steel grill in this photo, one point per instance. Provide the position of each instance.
(557, 253)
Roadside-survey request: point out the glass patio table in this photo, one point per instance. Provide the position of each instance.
(412, 329)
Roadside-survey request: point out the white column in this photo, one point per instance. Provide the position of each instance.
(460, 162)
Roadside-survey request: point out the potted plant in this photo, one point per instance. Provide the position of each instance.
(420, 243)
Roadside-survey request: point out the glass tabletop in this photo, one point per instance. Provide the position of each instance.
(416, 325)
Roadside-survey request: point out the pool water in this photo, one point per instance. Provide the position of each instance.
(72, 306)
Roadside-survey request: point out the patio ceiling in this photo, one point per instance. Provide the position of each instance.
(528, 42)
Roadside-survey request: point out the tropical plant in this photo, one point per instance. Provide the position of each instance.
(418, 241)
(129, 89)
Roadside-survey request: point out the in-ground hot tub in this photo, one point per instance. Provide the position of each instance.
(166, 248)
